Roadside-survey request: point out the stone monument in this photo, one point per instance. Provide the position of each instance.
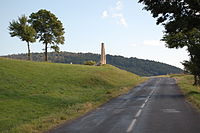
(103, 54)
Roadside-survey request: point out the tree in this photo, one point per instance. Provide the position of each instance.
(24, 31)
(192, 68)
(49, 29)
(181, 19)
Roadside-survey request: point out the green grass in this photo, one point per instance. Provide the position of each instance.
(192, 93)
(35, 97)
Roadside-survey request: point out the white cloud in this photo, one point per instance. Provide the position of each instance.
(114, 15)
(153, 43)
(116, 12)
(133, 44)
(105, 14)
(120, 19)
(119, 5)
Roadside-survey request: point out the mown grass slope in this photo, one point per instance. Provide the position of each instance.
(35, 97)
(192, 93)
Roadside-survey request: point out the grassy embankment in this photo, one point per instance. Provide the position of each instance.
(35, 97)
(192, 93)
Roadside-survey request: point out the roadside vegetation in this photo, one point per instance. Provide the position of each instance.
(192, 93)
(37, 96)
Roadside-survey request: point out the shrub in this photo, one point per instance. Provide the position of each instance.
(91, 63)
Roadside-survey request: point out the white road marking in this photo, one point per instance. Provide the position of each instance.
(143, 105)
(138, 113)
(146, 100)
(131, 126)
(152, 92)
(170, 111)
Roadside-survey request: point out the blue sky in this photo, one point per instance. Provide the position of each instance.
(122, 25)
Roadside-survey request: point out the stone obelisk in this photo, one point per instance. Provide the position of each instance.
(103, 54)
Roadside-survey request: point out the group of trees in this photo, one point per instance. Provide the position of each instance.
(181, 19)
(42, 25)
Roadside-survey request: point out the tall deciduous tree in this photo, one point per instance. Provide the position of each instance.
(181, 19)
(49, 29)
(24, 31)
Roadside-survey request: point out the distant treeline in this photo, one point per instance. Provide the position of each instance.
(138, 66)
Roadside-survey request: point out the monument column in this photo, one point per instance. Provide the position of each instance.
(103, 54)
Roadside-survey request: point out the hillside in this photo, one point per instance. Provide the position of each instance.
(138, 66)
(36, 96)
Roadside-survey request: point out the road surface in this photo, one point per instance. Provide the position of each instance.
(156, 106)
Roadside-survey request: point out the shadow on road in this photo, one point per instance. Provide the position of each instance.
(191, 93)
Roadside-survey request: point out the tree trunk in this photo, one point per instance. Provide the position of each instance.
(195, 80)
(45, 53)
(29, 51)
(198, 80)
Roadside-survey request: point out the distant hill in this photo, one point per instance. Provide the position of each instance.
(138, 66)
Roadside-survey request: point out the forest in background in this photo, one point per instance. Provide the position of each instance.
(138, 66)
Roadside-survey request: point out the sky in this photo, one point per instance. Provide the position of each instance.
(122, 25)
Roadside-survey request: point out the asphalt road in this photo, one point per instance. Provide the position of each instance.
(156, 106)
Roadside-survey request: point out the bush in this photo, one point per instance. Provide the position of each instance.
(91, 63)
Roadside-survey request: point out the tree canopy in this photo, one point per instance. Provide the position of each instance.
(49, 29)
(23, 30)
(181, 19)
